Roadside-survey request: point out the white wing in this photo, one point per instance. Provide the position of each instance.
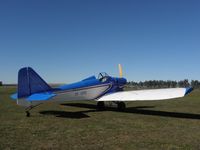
(140, 95)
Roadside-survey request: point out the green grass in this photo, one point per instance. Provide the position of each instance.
(170, 124)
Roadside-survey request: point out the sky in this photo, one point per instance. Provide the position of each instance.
(66, 41)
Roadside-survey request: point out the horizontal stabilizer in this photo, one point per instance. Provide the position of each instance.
(14, 96)
(142, 95)
(35, 97)
(40, 97)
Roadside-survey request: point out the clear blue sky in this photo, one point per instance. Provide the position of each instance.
(65, 41)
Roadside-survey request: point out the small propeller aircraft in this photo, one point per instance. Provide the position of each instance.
(33, 91)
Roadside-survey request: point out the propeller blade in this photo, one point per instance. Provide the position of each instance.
(120, 71)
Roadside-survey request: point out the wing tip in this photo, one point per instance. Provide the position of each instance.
(188, 90)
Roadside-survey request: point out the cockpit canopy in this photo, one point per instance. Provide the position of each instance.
(103, 76)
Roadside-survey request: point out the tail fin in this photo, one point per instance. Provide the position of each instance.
(29, 82)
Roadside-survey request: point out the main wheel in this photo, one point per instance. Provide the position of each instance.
(100, 105)
(121, 106)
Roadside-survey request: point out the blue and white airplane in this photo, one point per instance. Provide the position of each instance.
(33, 91)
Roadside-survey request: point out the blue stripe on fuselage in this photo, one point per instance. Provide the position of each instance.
(91, 81)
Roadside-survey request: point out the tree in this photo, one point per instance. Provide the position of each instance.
(164, 84)
(195, 84)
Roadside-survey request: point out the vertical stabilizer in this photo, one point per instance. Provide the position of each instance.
(29, 82)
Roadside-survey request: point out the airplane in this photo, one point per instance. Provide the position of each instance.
(32, 91)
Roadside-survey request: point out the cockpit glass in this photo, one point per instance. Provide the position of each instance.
(102, 76)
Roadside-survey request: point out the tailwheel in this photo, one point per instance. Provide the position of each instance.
(100, 105)
(121, 106)
(28, 114)
(27, 109)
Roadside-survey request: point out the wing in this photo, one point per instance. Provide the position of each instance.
(142, 95)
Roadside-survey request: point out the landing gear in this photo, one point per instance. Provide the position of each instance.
(28, 114)
(27, 111)
(100, 105)
(121, 106)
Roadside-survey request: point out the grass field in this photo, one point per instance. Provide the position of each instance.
(170, 124)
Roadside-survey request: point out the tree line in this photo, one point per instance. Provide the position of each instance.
(164, 84)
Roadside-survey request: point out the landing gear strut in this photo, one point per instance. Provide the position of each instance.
(27, 111)
(100, 105)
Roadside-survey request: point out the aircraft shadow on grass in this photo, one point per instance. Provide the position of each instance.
(135, 110)
(65, 114)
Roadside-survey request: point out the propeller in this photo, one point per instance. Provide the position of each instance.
(120, 71)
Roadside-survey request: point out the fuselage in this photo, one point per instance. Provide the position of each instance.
(89, 88)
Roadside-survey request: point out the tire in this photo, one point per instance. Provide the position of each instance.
(121, 106)
(28, 114)
(100, 105)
